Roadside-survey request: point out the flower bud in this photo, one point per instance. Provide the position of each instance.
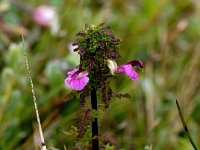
(112, 65)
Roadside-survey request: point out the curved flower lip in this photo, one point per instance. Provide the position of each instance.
(137, 63)
(127, 68)
(77, 79)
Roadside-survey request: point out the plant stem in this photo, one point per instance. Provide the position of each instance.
(43, 145)
(95, 139)
(185, 126)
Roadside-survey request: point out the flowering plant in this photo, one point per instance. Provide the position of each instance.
(97, 47)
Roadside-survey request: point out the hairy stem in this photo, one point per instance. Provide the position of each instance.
(95, 139)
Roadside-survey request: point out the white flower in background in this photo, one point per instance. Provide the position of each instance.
(46, 16)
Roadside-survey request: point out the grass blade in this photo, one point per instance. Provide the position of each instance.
(185, 126)
(43, 145)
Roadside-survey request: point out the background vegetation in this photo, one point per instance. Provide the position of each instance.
(164, 34)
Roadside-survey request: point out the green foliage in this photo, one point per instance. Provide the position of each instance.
(109, 147)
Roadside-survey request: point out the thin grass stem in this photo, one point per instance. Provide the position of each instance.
(185, 126)
(43, 145)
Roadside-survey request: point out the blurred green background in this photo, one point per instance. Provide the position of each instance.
(163, 34)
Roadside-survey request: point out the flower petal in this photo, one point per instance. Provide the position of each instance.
(120, 69)
(130, 72)
(128, 69)
(68, 81)
(77, 79)
(134, 75)
(70, 73)
(79, 83)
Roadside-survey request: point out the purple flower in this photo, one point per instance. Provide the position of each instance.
(77, 79)
(127, 68)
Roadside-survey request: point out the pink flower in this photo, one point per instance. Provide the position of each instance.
(127, 68)
(77, 79)
(46, 16)
(43, 15)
